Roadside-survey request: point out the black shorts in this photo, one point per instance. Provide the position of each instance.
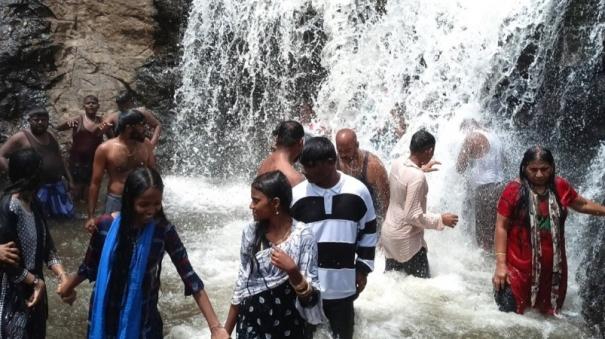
(417, 266)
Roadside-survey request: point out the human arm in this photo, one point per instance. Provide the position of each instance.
(380, 180)
(69, 124)
(500, 278)
(413, 212)
(231, 318)
(15, 142)
(98, 169)
(203, 303)
(365, 248)
(108, 124)
(150, 155)
(152, 122)
(583, 205)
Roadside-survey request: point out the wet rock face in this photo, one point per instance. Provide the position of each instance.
(26, 57)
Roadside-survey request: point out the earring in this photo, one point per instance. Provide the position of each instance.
(276, 212)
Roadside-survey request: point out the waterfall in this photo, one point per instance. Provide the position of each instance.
(360, 64)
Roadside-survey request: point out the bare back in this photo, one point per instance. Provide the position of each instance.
(277, 162)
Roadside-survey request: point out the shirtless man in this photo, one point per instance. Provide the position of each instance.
(118, 157)
(125, 102)
(86, 137)
(482, 157)
(53, 193)
(364, 166)
(288, 146)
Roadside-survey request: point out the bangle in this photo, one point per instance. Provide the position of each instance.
(300, 286)
(212, 328)
(303, 293)
(500, 253)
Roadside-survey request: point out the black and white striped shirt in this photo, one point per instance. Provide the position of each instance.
(343, 221)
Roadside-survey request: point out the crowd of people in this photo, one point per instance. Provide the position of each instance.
(306, 255)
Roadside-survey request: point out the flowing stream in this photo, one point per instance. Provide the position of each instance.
(248, 64)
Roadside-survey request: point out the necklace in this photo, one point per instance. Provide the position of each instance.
(284, 237)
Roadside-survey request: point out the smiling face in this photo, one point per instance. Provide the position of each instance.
(262, 207)
(539, 172)
(147, 205)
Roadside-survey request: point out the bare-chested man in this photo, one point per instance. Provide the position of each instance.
(288, 146)
(118, 157)
(125, 102)
(364, 166)
(482, 157)
(53, 193)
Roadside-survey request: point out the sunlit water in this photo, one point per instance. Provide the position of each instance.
(456, 303)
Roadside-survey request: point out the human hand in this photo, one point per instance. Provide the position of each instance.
(72, 123)
(449, 219)
(428, 167)
(9, 254)
(282, 260)
(219, 333)
(38, 293)
(360, 281)
(90, 225)
(500, 278)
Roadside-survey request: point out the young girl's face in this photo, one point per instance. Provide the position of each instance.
(260, 205)
(147, 205)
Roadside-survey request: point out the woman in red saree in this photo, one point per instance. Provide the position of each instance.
(531, 265)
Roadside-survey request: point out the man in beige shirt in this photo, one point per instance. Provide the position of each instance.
(402, 236)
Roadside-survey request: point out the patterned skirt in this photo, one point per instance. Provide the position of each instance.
(270, 314)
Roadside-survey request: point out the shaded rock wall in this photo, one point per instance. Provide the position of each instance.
(26, 58)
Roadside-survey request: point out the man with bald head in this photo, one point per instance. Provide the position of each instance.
(364, 166)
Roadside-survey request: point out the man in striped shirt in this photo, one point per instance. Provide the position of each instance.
(339, 209)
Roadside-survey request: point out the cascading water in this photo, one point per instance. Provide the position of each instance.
(248, 64)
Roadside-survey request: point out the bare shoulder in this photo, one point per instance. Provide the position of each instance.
(374, 163)
(17, 140)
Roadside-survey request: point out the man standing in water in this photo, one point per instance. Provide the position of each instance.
(288, 145)
(482, 157)
(339, 210)
(119, 156)
(402, 237)
(364, 166)
(125, 102)
(53, 194)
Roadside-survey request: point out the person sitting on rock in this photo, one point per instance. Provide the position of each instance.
(125, 102)
(53, 193)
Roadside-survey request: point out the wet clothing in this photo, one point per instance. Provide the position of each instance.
(164, 239)
(113, 203)
(82, 152)
(52, 162)
(55, 200)
(486, 198)
(29, 231)
(363, 177)
(519, 254)
(342, 317)
(268, 304)
(418, 266)
(403, 228)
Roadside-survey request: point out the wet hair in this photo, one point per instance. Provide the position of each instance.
(124, 97)
(36, 111)
(24, 167)
(421, 141)
(91, 97)
(317, 149)
(137, 182)
(272, 184)
(288, 133)
(469, 123)
(129, 118)
(532, 154)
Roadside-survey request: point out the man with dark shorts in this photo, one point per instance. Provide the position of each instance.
(365, 167)
(118, 157)
(288, 145)
(125, 101)
(86, 137)
(339, 210)
(482, 158)
(53, 193)
(402, 237)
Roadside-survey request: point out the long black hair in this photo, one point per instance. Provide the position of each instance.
(272, 184)
(137, 182)
(535, 153)
(23, 171)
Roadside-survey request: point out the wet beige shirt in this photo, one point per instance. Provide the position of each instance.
(403, 229)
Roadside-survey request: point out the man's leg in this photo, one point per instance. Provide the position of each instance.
(341, 315)
(418, 266)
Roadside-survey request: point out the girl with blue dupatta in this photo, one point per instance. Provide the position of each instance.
(124, 258)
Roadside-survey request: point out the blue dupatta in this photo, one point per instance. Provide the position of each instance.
(130, 315)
